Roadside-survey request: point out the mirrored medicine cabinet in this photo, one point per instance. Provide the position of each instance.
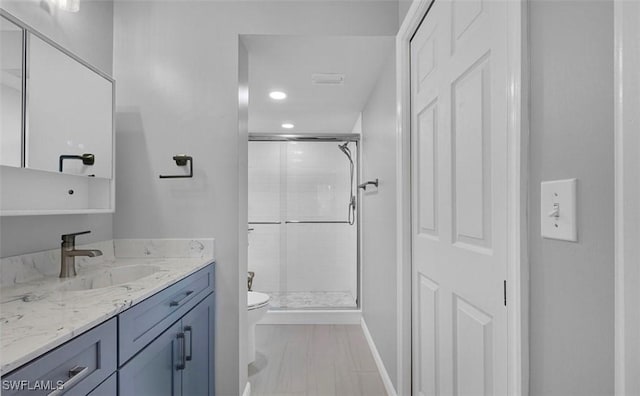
(56, 127)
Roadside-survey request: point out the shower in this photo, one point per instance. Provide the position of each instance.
(352, 196)
(304, 250)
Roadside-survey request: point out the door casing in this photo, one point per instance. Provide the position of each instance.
(627, 196)
(518, 146)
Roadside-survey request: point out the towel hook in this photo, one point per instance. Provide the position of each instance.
(370, 182)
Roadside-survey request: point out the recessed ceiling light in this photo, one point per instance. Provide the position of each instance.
(277, 95)
(287, 125)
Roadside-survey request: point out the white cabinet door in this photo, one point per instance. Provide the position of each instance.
(459, 186)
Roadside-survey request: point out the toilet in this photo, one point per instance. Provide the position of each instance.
(257, 306)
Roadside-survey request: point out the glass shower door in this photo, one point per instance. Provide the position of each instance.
(316, 245)
(265, 227)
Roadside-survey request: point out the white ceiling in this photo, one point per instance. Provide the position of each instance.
(285, 63)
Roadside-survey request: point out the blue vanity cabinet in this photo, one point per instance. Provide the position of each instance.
(178, 362)
(162, 346)
(75, 368)
(142, 323)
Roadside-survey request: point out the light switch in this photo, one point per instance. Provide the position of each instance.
(558, 210)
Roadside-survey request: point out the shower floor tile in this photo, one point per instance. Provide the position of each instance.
(314, 299)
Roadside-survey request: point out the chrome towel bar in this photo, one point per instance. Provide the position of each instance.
(316, 222)
(299, 222)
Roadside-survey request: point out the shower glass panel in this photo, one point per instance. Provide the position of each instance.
(301, 245)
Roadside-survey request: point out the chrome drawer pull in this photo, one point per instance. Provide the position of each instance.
(183, 352)
(76, 375)
(190, 330)
(177, 302)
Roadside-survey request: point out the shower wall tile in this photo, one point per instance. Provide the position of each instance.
(321, 257)
(264, 181)
(318, 181)
(264, 256)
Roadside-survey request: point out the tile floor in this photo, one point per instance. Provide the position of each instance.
(319, 360)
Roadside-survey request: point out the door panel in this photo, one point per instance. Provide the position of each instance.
(429, 340)
(471, 156)
(153, 371)
(458, 134)
(473, 342)
(427, 169)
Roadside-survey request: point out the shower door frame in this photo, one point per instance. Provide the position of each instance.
(346, 137)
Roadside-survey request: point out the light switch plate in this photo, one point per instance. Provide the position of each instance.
(560, 195)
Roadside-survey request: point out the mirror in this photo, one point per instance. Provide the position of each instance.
(69, 113)
(60, 118)
(11, 66)
(56, 127)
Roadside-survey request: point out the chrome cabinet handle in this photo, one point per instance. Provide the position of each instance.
(178, 302)
(183, 345)
(76, 374)
(189, 329)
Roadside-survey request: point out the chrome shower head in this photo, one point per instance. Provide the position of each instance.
(345, 149)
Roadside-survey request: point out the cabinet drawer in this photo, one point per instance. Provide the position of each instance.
(107, 388)
(76, 367)
(142, 323)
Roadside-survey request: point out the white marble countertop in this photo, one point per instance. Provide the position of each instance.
(37, 315)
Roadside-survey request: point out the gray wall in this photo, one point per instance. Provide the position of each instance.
(572, 284)
(176, 64)
(403, 8)
(378, 208)
(89, 34)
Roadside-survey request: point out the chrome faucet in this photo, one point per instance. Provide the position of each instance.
(69, 253)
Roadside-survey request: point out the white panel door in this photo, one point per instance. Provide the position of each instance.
(459, 189)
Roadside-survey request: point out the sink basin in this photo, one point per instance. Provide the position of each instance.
(110, 277)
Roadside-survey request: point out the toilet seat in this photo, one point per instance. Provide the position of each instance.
(256, 300)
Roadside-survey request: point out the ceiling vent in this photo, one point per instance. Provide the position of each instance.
(327, 79)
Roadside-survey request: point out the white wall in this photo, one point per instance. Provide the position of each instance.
(176, 66)
(403, 8)
(89, 34)
(378, 211)
(572, 284)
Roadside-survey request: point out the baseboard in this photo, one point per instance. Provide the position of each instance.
(312, 317)
(247, 389)
(386, 380)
